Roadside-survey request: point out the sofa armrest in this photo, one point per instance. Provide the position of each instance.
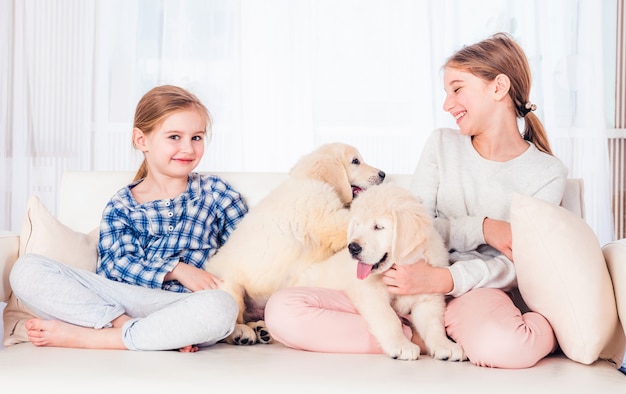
(9, 247)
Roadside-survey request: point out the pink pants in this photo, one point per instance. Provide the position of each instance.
(491, 329)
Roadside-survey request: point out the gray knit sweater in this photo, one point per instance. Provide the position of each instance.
(460, 189)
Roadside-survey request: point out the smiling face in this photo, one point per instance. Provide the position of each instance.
(469, 100)
(176, 146)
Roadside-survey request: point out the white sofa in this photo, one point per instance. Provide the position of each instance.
(270, 368)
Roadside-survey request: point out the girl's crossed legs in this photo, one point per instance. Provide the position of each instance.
(491, 329)
(82, 309)
(495, 333)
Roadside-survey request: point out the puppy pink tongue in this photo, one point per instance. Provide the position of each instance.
(363, 270)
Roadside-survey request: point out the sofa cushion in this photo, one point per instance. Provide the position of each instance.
(615, 257)
(9, 246)
(43, 234)
(562, 274)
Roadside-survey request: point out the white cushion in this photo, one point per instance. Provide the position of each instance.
(43, 234)
(615, 256)
(562, 274)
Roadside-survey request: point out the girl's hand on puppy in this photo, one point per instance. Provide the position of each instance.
(417, 278)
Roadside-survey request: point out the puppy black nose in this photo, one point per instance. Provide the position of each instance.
(354, 248)
(381, 174)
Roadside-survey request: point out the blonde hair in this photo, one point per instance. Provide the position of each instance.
(500, 54)
(158, 104)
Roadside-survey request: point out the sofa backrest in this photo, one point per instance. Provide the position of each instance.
(84, 194)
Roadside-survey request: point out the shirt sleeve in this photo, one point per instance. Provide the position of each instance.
(425, 180)
(459, 202)
(230, 208)
(462, 233)
(554, 187)
(498, 273)
(122, 257)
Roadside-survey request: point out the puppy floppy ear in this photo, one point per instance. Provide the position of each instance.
(399, 239)
(333, 171)
(408, 231)
(328, 167)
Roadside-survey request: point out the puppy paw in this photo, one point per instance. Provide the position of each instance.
(403, 350)
(242, 335)
(262, 334)
(445, 349)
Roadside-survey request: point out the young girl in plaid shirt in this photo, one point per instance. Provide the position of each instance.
(151, 291)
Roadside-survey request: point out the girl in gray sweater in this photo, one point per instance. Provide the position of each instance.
(466, 179)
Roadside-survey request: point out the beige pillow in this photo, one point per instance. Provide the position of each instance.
(615, 256)
(562, 274)
(43, 234)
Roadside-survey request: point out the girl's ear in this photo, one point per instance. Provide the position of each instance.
(502, 85)
(139, 140)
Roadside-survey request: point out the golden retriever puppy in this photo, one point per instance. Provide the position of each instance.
(302, 221)
(389, 226)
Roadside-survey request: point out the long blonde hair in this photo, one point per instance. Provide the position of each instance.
(159, 103)
(500, 54)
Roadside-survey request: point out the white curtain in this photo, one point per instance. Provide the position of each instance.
(573, 94)
(281, 77)
(565, 43)
(46, 96)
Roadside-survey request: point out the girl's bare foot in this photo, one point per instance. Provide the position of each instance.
(188, 349)
(59, 334)
(56, 333)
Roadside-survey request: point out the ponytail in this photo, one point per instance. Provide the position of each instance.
(142, 172)
(536, 133)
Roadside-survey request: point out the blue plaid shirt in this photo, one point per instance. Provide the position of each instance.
(141, 243)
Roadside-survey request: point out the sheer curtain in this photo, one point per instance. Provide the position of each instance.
(45, 99)
(281, 77)
(564, 42)
(573, 95)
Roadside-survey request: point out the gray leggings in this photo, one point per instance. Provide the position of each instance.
(160, 319)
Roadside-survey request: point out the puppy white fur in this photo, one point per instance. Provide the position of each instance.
(303, 221)
(389, 226)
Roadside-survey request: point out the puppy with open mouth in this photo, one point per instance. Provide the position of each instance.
(300, 222)
(389, 226)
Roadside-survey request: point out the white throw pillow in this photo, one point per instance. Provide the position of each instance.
(615, 256)
(562, 274)
(43, 234)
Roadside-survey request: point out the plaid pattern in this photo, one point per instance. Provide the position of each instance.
(141, 243)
